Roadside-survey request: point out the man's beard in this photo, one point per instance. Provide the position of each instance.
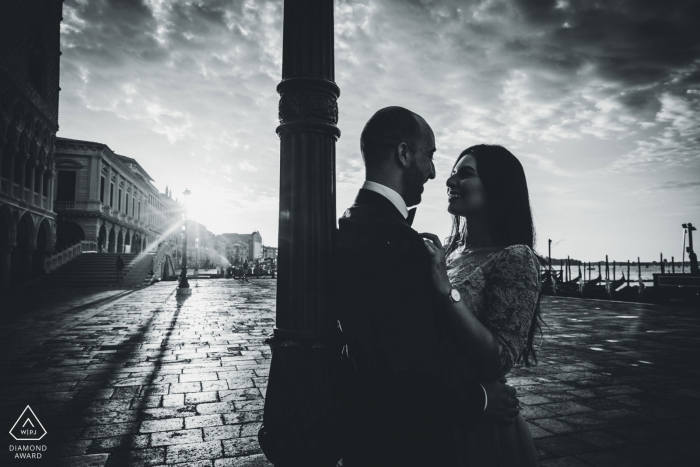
(413, 182)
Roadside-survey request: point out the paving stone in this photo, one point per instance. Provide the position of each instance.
(192, 452)
(201, 397)
(119, 443)
(258, 460)
(90, 460)
(212, 433)
(243, 417)
(199, 421)
(554, 425)
(566, 408)
(216, 407)
(114, 384)
(166, 424)
(241, 446)
(166, 438)
(104, 431)
(136, 458)
(185, 387)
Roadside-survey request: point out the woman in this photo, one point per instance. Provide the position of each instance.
(491, 264)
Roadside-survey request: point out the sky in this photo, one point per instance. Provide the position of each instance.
(599, 100)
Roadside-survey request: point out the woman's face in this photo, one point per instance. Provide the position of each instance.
(465, 192)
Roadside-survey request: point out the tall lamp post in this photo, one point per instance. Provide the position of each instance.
(299, 422)
(691, 253)
(184, 287)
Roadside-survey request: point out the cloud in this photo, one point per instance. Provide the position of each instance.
(676, 145)
(672, 186)
(573, 87)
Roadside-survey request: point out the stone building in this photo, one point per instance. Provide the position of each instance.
(108, 198)
(269, 252)
(29, 87)
(240, 247)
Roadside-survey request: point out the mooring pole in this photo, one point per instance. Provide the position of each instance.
(299, 426)
(663, 270)
(628, 272)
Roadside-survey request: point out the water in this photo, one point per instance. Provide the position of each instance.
(647, 271)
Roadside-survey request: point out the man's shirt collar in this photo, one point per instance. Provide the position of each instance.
(389, 194)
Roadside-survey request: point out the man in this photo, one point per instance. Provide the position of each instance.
(404, 403)
(120, 269)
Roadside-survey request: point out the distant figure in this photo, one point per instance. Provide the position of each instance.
(120, 269)
(245, 270)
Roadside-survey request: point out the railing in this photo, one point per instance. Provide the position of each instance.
(63, 205)
(70, 253)
(160, 257)
(107, 210)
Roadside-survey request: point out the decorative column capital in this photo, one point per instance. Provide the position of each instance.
(308, 103)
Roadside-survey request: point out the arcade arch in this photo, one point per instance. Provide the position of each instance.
(111, 244)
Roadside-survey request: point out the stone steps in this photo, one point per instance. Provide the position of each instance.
(100, 270)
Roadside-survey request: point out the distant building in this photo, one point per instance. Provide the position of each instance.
(108, 198)
(240, 247)
(29, 87)
(269, 252)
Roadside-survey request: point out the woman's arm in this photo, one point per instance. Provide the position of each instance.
(482, 346)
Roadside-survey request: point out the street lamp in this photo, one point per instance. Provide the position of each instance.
(688, 229)
(184, 288)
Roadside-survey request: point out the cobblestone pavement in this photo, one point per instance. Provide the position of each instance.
(151, 380)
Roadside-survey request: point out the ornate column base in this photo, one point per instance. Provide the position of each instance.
(300, 425)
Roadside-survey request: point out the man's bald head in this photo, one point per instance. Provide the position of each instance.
(386, 130)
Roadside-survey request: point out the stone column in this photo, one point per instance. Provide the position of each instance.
(5, 262)
(23, 175)
(11, 171)
(299, 420)
(93, 202)
(32, 180)
(28, 262)
(42, 174)
(52, 188)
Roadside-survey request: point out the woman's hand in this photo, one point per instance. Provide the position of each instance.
(438, 268)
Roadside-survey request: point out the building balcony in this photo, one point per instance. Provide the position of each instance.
(64, 206)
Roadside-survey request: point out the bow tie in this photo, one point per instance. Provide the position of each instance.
(411, 216)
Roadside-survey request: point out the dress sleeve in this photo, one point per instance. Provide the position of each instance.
(513, 288)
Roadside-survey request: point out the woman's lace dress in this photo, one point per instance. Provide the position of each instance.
(501, 287)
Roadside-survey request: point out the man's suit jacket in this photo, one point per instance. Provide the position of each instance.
(404, 406)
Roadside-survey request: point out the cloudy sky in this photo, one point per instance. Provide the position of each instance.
(600, 100)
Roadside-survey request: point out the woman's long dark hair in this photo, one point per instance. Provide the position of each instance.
(508, 213)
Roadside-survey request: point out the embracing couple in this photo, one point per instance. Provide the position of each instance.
(431, 331)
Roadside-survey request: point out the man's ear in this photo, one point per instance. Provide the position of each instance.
(402, 155)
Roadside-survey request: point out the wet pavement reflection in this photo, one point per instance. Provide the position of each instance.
(151, 379)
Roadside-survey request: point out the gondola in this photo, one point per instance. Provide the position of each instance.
(569, 288)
